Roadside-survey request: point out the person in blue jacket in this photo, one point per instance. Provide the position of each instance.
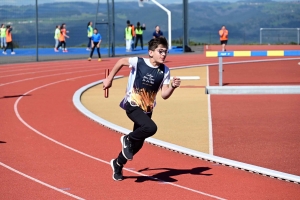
(96, 41)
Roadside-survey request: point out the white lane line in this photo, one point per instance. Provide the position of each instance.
(60, 69)
(87, 155)
(41, 66)
(32, 66)
(33, 78)
(210, 132)
(40, 182)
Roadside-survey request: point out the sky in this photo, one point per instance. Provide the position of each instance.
(26, 2)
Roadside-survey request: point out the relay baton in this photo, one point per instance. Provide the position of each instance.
(106, 90)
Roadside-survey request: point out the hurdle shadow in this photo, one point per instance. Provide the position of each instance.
(169, 174)
(15, 96)
(2, 142)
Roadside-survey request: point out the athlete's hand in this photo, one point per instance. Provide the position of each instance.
(107, 83)
(176, 82)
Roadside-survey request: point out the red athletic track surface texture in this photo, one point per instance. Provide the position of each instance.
(74, 158)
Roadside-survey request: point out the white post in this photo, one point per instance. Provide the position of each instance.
(169, 22)
(298, 36)
(260, 35)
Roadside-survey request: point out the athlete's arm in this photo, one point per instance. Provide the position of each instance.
(167, 91)
(107, 83)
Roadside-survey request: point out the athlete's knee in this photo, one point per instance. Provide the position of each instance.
(150, 129)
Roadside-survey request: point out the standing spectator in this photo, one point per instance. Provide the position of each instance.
(96, 41)
(90, 32)
(128, 36)
(139, 34)
(3, 36)
(56, 36)
(133, 36)
(62, 38)
(9, 41)
(223, 37)
(63, 29)
(157, 33)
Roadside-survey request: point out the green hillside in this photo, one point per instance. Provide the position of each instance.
(243, 20)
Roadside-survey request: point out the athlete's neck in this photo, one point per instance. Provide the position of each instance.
(154, 63)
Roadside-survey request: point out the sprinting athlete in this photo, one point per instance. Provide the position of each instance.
(96, 41)
(146, 78)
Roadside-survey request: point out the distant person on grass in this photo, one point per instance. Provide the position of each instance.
(3, 36)
(223, 37)
(146, 78)
(9, 41)
(95, 43)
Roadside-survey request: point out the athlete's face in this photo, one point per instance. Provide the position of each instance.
(223, 27)
(159, 54)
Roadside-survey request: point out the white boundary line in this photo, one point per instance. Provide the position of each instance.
(37, 77)
(40, 182)
(57, 69)
(240, 165)
(210, 132)
(87, 155)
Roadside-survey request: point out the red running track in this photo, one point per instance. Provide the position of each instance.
(66, 155)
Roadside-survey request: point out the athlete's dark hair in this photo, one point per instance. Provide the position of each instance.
(128, 21)
(155, 42)
(62, 26)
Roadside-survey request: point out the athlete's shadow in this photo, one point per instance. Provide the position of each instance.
(15, 96)
(168, 174)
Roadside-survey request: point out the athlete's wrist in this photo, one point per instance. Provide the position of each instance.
(173, 86)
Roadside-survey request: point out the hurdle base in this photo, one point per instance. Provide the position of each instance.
(292, 89)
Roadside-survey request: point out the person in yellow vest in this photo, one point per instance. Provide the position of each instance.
(9, 42)
(3, 36)
(90, 32)
(139, 34)
(223, 37)
(56, 36)
(128, 36)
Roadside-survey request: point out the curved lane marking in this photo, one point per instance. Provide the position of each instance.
(177, 148)
(40, 182)
(90, 156)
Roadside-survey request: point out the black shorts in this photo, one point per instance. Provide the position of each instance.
(224, 42)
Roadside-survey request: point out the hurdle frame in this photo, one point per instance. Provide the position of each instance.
(269, 53)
